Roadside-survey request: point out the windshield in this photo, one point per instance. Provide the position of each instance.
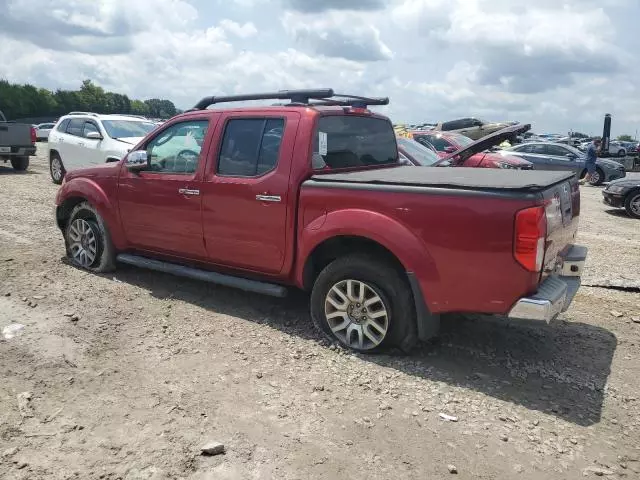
(417, 151)
(347, 141)
(127, 128)
(461, 140)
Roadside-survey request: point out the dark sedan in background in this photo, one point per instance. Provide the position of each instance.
(556, 156)
(624, 193)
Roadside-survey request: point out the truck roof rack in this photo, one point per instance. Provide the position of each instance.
(309, 97)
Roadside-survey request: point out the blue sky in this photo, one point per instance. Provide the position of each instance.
(558, 64)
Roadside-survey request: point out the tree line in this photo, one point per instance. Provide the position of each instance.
(26, 101)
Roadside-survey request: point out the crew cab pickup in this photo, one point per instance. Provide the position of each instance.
(311, 194)
(17, 143)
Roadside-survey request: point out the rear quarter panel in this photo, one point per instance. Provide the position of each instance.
(458, 243)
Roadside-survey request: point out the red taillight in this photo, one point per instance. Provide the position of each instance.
(530, 238)
(34, 139)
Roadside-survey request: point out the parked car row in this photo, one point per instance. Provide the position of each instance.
(316, 195)
(557, 156)
(460, 150)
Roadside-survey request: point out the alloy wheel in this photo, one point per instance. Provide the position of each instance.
(83, 244)
(634, 204)
(357, 314)
(56, 169)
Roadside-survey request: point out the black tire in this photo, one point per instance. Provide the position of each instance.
(622, 153)
(600, 179)
(20, 163)
(54, 177)
(387, 282)
(630, 199)
(105, 255)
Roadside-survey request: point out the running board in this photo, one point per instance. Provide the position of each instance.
(204, 275)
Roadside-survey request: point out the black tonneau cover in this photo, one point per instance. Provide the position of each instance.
(461, 178)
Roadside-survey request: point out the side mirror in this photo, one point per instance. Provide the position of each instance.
(571, 156)
(137, 161)
(450, 149)
(94, 136)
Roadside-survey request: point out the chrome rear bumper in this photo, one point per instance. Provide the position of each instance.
(556, 292)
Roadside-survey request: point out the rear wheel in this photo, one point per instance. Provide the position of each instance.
(56, 169)
(20, 163)
(87, 240)
(597, 177)
(364, 304)
(632, 204)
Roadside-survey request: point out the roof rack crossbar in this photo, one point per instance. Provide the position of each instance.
(351, 101)
(296, 96)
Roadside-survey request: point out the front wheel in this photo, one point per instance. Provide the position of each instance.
(364, 304)
(632, 204)
(20, 163)
(87, 240)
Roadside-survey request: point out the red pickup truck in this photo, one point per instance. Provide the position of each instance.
(311, 194)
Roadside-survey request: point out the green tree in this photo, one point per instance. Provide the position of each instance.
(161, 108)
(138, 107)
(23, 101)
(625, 138)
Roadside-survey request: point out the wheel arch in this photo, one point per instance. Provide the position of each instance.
(330, 236)
(342, 245)
(81, 190)
(356, 228)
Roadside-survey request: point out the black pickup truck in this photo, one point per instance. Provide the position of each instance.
(17, 143)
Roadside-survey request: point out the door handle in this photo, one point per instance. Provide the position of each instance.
(188, 191)
(81, 144)
(268, 198)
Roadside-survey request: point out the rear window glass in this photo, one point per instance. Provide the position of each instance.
(345, 141)
(63, 125)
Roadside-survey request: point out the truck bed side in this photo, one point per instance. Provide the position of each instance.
(458, 241)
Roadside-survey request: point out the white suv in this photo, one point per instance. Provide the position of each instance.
(82, 139)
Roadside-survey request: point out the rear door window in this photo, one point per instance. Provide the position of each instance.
(63, 125)
(347, 141)
(555, 150)
(250, 147)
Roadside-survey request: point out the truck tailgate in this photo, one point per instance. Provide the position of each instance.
(562, 209)
(14, 135)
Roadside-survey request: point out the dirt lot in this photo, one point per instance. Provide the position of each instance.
(127, 375)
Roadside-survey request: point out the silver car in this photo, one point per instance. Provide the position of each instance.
(556, 156)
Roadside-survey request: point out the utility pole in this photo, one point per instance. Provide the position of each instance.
(606, 136)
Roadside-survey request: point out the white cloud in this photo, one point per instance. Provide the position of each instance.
(337, 34)
(246, 30)
(557, 64)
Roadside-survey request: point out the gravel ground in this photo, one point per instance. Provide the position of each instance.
(128, 375)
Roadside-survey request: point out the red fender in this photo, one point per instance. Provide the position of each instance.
(408, 248)
(92, 192)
